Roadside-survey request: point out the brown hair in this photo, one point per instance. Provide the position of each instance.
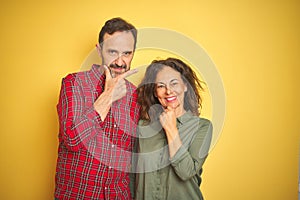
(114, 25)
(146, 89)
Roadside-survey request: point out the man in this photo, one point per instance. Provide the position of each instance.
(98, 114)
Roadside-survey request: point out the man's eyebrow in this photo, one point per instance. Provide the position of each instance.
(115, 50)
(110, 49)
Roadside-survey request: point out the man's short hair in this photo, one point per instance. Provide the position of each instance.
(115, 25)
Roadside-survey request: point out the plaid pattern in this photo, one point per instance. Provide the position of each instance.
(94, 156)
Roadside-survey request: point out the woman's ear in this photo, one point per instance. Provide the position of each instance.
(185, 88)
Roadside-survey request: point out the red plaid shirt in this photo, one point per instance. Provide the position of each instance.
(94, 156)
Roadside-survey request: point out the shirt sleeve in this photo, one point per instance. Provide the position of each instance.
(188, 160)
(78, 121)
(132, 174)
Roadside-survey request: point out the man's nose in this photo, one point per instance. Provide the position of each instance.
(119, 60)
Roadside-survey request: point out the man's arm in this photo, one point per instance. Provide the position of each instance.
(78, 120)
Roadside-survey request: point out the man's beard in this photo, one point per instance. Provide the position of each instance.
(115, 66)
(118, 66)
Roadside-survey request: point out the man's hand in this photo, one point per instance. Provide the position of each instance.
(115, 89)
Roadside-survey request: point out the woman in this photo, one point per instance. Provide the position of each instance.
(173, 139)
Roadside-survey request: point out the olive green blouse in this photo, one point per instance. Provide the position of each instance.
(162, 177)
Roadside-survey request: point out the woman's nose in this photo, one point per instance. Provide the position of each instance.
(168, 90)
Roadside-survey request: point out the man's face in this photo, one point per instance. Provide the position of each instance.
(117, 51)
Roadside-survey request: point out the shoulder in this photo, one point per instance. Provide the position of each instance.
(189, 118)
(205, 125)
(204, 121)
(130, 85)
(73, 76)
(82, 76)
(199, 122)
(143, 122)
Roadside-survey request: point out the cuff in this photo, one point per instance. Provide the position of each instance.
(93, 115)
(179, 155)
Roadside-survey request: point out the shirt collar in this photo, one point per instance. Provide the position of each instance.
(97, 75)
(97, 72)
(185, 117)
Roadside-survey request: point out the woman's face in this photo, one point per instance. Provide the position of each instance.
(170, 89)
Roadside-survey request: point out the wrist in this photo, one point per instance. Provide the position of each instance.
(102, 105)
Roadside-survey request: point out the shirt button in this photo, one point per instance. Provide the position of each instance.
(115, 125)
(105, 188)
(112, 146)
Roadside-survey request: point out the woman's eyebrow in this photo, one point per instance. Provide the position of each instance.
(159, 82)
(175, 79)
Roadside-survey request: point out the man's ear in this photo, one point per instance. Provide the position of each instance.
(99, 49)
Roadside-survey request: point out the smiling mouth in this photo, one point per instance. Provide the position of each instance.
(170, 99)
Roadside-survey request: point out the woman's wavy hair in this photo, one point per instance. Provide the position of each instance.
(146, 89)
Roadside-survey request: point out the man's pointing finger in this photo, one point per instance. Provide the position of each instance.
(129, 73)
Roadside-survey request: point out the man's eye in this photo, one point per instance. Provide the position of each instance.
(126, 54)
(112, 52)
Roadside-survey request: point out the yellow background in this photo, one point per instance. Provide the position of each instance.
(254, 44)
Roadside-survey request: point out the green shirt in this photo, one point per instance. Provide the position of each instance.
(162, 177)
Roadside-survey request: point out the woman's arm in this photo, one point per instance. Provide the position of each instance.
(188, 160)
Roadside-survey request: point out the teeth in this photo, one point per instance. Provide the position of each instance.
(171, 98)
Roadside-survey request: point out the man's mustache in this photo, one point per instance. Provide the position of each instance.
(118, 66)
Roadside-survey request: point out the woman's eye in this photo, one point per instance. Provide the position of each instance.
(160, 86)
(174, 83)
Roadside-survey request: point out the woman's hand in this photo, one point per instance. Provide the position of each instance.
(168, 122)
(168, 119)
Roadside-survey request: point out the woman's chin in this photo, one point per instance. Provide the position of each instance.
(173, 105)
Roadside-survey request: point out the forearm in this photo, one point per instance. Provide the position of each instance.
(182, 161)
(190, 158)
(79, 122)
(103, 104)
(77, 131)
(174, 141)
(185, 165)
